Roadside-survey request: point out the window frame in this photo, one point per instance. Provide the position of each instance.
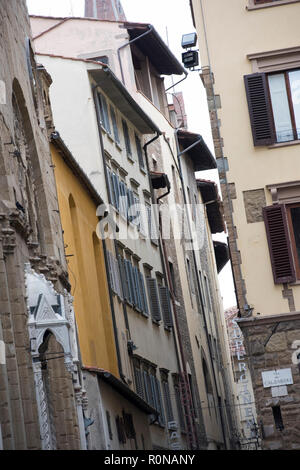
(290, 103)
(296, 260)
(252, 5)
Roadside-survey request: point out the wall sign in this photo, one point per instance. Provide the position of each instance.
(276, 378)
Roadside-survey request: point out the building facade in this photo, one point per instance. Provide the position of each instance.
(252, 84)
(40, 387)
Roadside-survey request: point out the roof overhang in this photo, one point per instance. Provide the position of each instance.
(214, 206)
(70, 161)
(221, 254)
(200, 154)
(123, 390)
(152, 46)
(123, 100)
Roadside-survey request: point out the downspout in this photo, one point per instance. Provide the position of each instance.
(94, 88)
(179, 154)
(127, 44)
(167, 274)
(177, 83)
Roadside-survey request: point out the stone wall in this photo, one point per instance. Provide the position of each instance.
(270, 344)
(30, 228)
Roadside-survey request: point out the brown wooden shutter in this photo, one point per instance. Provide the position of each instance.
(279, 244)
(259, 109)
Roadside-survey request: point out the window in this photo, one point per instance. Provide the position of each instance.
(293, 213)
(148, 387)
(285, 93)
(167, 398)
(254, 4)
(274, 106)
(278, 418)
(127, 138)
(139, 152)
(103, 112)
(283, 248)
(115, 124)
(154, 299)
(133, 285)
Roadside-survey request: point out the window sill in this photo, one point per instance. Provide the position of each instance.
(142, 170)
(271, 4)
(119, 146)
(130, 158)
(284, 144)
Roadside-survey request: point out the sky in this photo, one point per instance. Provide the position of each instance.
(172, 19)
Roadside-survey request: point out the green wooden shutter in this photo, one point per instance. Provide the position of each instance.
(143, 294)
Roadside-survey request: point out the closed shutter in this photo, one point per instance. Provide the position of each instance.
(279, 244)
(154, 392)
(123, 199)
(153, 298)
(179, 407)
(124, 281)
(121, 430)
(131, 211)
(116, 190)
(117, 278)
(259, 109)
(161, 418)
(168, 402)
(127, 265)
(138, 288)
(166, 306)
(126, 137)
(133, 287)
(139, 382)
(143, 294)
(143, 221)
(110, 188)
(110, 271)
(114, 123)
(139, 151)
(146, 386)
(129, 426)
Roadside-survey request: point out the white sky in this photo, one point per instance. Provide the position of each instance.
(171, 18)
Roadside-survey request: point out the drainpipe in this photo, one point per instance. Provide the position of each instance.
(94, 88)
(179, 154)
(181, 80)
(127, 44)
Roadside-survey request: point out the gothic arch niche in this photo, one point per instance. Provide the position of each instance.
(54, 354)
(59, 394)
(27, 169)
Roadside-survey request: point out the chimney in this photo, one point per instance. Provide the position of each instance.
(111, 10)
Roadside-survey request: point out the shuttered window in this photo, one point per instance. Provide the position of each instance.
(279, 244)
(115, 125)
(139, 382)
(179, 405)
(143, 294)
(104, 116)
(153, 299)
(126, 138)
(167, 400)
(114, 275)
(116, 190)
(139, 152)
(159, 402)
(166, 306)
(123, 205)
(259, 109)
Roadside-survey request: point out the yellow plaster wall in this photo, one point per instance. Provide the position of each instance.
(86, 269)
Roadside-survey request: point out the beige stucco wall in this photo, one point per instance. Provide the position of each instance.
(230, 36)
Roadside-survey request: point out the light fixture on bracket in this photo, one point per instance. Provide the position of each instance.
(190, 58)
